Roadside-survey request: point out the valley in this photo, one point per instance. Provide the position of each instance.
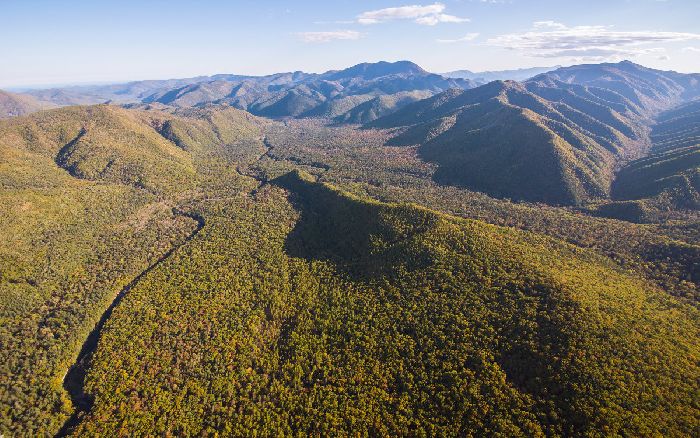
(378, 251)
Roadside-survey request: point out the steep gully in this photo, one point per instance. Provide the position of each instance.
(74, 380)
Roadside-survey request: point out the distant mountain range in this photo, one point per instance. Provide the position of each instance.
(556, 138)
(483, 77)
(182, 268)
(12, 104)
(357, 94)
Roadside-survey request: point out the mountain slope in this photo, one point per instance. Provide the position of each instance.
(103, 143)
(130, 92)
(494, 137)
(555, 138)
(335, 314)
(677, 128)
(76, 236)
(294, 94)
(671, 174)
(379, 106)
(322, 95)
(648, 89)
(292, 307)
(12, 104)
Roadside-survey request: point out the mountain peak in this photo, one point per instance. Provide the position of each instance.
(373, 70)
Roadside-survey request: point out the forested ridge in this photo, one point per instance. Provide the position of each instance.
(669, 178)
(244, 276)
(555, 138)
(398, 321)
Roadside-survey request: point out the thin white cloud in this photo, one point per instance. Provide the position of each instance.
(549, 39)
(324, 37)
(467, 37)
(335, 22)
(549, 24)
(428, 15)
(691, 49)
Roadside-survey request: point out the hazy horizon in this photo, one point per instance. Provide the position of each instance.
(76, 42)
(20, 88)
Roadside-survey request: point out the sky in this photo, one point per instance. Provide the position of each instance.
(52, 42)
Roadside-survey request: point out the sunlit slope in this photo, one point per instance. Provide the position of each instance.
(358, 161)
(326, 313)
(556, 138)
(506, 141)
(67, 246)
(13, 104)
(73, 238)
(102, 143)
(300, 309)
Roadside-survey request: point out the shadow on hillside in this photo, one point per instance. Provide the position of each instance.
(362, 238)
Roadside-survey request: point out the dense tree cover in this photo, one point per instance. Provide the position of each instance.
(64, 254)
(358, 161)
(669, 178)
(69, 245)
(300, 308)
(493, 137)
(555, 138)
(103, 143)
(343, 315)
(675, 174)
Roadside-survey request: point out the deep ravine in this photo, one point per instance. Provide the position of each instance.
(74, 380)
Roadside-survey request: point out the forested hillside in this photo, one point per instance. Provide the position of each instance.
(556, 138)
(280, 219)
(360, 161)
(671, 173)
(386, 319)
(193, 271)
(12, 104)
(80, 226)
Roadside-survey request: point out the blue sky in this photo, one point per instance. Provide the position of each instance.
(71, 41)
